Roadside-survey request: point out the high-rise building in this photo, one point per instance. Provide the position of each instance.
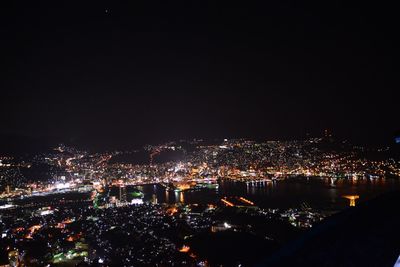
(13, 258)
(122, 193)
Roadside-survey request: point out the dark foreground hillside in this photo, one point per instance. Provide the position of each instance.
(367, 235)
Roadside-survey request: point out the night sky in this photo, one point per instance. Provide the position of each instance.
(112, 74)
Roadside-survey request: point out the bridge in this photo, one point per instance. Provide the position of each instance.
(237, 202)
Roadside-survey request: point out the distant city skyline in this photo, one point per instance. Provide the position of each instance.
(199, 133)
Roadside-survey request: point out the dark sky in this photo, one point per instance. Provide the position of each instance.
(110, 73)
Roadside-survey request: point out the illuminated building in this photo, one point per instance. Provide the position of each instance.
(352, 199)
(13, 258)
(122, 193)
(184, 249)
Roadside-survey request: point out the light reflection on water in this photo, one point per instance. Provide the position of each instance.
(319, 193)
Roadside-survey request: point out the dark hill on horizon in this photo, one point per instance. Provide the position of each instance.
(20, 145)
